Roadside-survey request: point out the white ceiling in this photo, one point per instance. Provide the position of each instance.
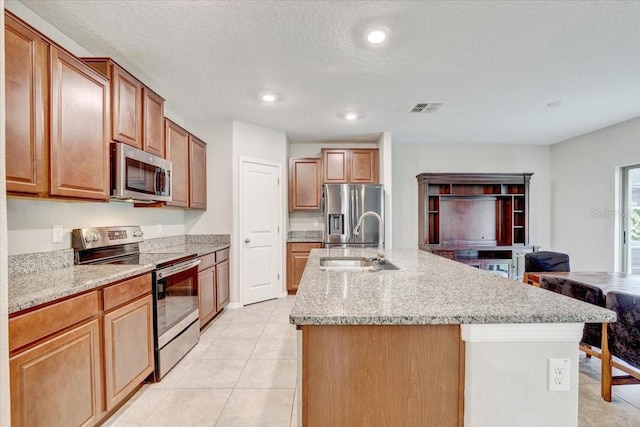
(493, 65)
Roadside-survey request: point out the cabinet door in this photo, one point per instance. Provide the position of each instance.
(197, 173)
(126, 119)
(335, 166)
(297, 256)
(207, 306)
(364, 166)
(128, 348)
(27, 138)
(153, 128)
(177, 150)
(305, 184)
(79, 129)
(58, 382)
(222, 284)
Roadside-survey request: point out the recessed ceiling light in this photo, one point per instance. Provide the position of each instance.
(268, 97)
(554, 104)
(351, 116)
(376, 36)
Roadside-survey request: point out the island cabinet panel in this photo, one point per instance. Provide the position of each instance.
(177, 150)
(58, 382)
(27, 95)
(379, 375)
(79, 129)
(128, 348)
(197, 173)
(305, 184)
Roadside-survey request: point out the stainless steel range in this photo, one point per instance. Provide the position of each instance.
(175, 286)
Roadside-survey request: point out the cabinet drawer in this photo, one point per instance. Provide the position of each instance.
(222, 255)
(207, 261)
(126, 291)
(305, 247)
(30, 327)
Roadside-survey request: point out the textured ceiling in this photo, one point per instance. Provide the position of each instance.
(493, 65)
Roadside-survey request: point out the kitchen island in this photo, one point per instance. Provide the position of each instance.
(435, 342)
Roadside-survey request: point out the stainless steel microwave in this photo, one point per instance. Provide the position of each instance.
(139, 176)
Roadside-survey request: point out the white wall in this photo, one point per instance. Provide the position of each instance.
(410, 160)
(5, 404)
(585, 193)
(217, 219)
(386, 178)
(257, 143)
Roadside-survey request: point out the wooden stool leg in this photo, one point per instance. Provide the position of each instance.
(606, 371)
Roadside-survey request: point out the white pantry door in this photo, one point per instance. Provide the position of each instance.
(260, 237)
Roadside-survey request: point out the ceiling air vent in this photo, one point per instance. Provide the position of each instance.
(426, 107)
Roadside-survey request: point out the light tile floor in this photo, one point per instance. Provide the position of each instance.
(243, 373)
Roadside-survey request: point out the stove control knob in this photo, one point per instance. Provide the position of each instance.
(95, 238)
(87, 238)
(138, 233)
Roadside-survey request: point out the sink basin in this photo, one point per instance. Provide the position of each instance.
(353, 264)
(347, 264)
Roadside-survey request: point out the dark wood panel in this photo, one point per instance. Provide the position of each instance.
(197, 173)
(335, 166)
(207, 295)
(364, 166)
(222, 285)
(27, 112)
(126, 291)
(381, 375)
(79, 129)
(126, 102)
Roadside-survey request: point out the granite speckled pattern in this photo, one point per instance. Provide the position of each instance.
(189, 248)
(39, 261)
(32, 289)
(295, 236)
(162, 242)
(427, 289)
(209, 239)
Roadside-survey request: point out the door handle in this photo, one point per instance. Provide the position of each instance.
(247, 240)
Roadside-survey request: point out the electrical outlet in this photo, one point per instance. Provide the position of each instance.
(159, 228)
(315, 224)
(559, 374)
(56, 234)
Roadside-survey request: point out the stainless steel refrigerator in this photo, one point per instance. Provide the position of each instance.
(343, 206)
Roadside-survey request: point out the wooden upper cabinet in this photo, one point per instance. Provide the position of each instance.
(152, 120)
(177, 151)
(79, 129)
(364, 166)
(351, 166)
(27, 112)
(126, 108)
(197, 173)
(305, 184)
(336, 166)
(137, 111)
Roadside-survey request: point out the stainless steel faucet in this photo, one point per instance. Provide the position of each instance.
(356, 231)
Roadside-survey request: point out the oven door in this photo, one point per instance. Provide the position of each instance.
(175, 299)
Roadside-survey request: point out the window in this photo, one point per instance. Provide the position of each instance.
(631, 219)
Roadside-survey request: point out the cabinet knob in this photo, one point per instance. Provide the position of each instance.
(247, 240)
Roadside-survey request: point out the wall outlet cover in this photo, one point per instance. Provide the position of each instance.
(56, 234)
(559, 374)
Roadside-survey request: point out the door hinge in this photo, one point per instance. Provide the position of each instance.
(278, 229)
(278, 181)
(278, 276)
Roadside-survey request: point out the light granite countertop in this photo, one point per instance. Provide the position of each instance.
(32, 289)
(427, 289)
(40, 287)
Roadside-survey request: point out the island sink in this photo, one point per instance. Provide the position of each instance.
(354, 264)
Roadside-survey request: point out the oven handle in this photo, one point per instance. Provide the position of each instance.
(175, 269)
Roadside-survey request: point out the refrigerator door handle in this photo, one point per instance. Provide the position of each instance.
(352, 223)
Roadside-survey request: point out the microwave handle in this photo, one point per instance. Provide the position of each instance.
(155, 181)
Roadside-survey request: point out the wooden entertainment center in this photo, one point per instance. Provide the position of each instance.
(480, 219)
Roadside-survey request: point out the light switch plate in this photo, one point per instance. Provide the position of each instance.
(56, 234)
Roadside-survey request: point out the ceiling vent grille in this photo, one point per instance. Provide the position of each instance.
(426, 107)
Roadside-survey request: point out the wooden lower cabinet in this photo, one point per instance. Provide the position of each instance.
(74, 361)
(58, 382)
(297, 256)
(128, 348)
(222, 285)
(382, 375)
(207, 306)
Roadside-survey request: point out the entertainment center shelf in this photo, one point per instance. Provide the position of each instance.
(479, 219)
